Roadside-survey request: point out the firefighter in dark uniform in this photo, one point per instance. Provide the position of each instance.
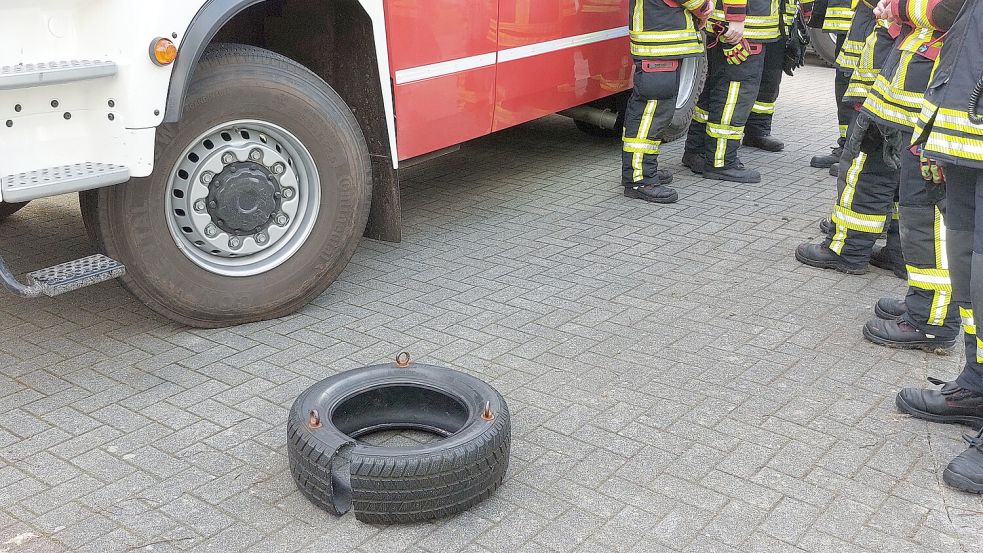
(878, 150)
(836, 19)
(757, 132)
(662, 32)
(875, 44)
(950, 132)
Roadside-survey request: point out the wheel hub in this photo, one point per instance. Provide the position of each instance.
(243, 198)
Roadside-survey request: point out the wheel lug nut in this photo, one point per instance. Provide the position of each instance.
(279, 168)
(228, 158)
(235, 242)
(211, 231)
(213, 204)
(256, 154)
(282, 219)
(200, 206)
(288, 193)
(207, 177)
(261, 238)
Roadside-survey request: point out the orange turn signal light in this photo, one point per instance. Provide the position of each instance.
(163, 51)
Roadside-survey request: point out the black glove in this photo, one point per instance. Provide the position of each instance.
(855, 141)
(795, 46)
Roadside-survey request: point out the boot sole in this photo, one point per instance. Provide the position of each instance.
(881, 314)
(818, 165)
(629, 193)
(931, 347)
(693, 169)
(718, 176)
(836, 266)
(762, 148)
(960, 482)
(966, 420)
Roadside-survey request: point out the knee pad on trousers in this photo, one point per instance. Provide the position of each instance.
(661, 85)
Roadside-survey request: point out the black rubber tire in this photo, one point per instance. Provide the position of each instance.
(823, 45)
(684, 114)
(243, 82)
(399, 485)
(6, 210)
(89, 207)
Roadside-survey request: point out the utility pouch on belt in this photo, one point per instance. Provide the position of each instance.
(659, 66)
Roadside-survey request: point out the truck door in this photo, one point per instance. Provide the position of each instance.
(556, 54)
(442, 54)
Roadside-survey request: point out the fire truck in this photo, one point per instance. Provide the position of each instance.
(229, 155)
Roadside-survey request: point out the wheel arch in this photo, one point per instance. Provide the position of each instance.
(354, 35)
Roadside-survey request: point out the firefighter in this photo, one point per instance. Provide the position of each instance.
(951, 132)
(738, 31)
(876, 42)
(757, 132)
(835, 20)
(877, 149)
(662, 33)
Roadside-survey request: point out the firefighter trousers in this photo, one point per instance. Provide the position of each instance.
(867, 189)
(650, 111)
(964, 187)
(723, 108)
(763, 110)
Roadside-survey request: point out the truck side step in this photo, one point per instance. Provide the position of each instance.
(63, 278)
(28, 75)
(63, 179)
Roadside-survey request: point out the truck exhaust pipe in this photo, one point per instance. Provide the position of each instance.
(603, 118)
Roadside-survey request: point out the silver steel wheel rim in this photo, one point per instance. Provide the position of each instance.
(687, 81)
(294, 173)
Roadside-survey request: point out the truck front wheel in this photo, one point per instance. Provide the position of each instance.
(258, 200)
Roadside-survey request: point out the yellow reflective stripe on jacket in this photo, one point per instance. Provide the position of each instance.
(955, 146)
(929, 279)
(659, 36)
(659, 50)
(918, 13)
(956, 120)
(860, 222)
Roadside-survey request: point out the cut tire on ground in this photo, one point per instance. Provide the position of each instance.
(387, 485)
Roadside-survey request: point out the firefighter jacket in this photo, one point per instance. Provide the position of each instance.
(665, 29)
(760, 17)
(875, 52)
(860, 29)
(899, 91)
(945, 124)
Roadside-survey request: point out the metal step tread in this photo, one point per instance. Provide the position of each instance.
(76, 274)
(27, 75)
(61, 179)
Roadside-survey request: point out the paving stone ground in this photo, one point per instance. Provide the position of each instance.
(678, 381)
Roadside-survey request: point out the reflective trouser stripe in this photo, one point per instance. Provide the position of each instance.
(843, 129)
(860, 222)
(640, 143)
(701, 115)
(940, 303)
(846, 200)
(969, 321)
(733, 92)
(763, 108)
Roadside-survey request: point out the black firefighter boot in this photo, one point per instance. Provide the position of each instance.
(695, 162)
(952, 404)
(827, 161)
(890, 309)
(764, 142)
(655, 193)
(819, 255)
(890, 257)
(901, 334)
(735, 172)
(665, 177)
(965, 472)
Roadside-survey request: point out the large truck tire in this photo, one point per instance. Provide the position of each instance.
(693, 74)
(6, 210)
(392, 485)
(824, 44)
(258, 200)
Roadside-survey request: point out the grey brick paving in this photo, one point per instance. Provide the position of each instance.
(678, 381)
